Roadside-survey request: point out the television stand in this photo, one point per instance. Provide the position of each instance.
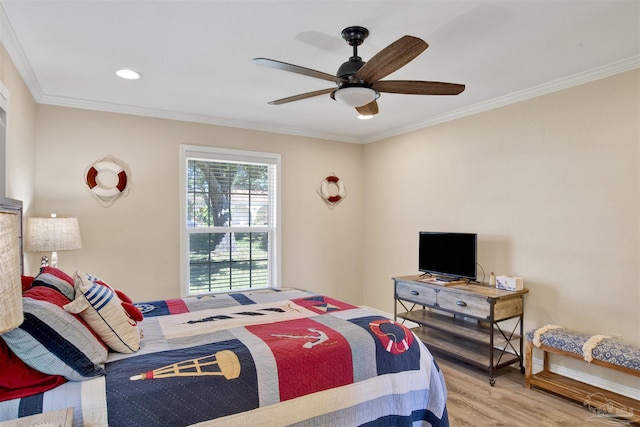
(465, 321)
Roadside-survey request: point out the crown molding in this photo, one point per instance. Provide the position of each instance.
(84, 104)
(617, 67)
(13, 48)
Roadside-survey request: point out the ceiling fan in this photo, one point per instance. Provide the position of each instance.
(359, 83)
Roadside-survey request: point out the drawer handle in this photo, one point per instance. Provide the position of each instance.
(415, 293)
(461, 303)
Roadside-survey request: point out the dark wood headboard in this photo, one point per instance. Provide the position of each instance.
(15, 206)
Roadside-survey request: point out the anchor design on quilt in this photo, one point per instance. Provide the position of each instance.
(319, 338)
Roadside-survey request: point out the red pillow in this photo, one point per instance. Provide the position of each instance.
(26, 282)
(133, 311)
(19, 380)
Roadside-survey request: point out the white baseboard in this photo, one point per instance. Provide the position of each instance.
(632, 392)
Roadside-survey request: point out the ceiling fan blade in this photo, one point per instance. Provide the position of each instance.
(391, 58)
(416, 87)
(301, 96)
(368, 110)
(272, 63)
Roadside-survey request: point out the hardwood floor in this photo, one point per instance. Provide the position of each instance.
(473, 402)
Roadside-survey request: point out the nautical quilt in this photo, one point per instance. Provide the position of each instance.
(263, 358)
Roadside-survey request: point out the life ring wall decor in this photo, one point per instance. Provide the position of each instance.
(332, 190)
(107, 180)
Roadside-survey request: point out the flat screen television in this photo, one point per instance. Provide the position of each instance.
(448, 255)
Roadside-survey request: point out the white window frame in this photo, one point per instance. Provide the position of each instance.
(226, 154)
(4, 112)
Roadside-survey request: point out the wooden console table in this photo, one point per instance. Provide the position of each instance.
(465, 321)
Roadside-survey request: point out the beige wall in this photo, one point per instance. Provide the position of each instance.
(552, 187)
(133, 244)
(21, 134)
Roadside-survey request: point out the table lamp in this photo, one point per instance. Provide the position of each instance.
(52, 235)
(11, 315)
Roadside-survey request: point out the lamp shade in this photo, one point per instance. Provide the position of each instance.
(11, 315)
(52, 234)
(355, 96)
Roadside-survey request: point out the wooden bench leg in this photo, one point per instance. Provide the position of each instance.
(528, 364)
(545, 361)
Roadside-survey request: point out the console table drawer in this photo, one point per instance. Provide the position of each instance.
(416, 293)
(464, 304)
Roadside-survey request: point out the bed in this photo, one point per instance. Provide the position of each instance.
(270, 357)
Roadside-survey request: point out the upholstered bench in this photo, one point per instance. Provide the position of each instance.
(597, 350)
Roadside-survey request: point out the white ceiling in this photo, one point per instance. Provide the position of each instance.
(195, 56)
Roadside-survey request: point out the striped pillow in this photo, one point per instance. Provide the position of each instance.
(57, 279)
(53, 341)
(98, 304)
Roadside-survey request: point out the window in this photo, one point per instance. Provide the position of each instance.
(229, 221)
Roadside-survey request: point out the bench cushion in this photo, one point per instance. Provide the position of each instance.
(618, 353)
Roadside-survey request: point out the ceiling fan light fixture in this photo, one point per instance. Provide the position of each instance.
(365, 116)
(355, 96)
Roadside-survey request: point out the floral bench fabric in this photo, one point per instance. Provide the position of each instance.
(590, 347)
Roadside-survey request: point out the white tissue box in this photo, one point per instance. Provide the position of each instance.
(509, 283)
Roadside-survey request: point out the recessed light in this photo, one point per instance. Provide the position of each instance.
(128, 74)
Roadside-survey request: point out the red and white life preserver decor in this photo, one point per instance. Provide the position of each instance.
(107, 180)
(394, 336)
(332, 190)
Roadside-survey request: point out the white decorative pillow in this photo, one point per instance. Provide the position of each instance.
(98, 304)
